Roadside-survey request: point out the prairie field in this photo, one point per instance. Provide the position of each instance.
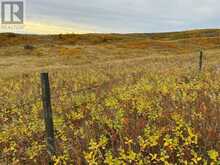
(117, 99)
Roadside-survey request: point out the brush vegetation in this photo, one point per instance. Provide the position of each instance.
(116, 99)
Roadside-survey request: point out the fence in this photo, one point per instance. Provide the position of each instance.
(46, 100)
(48, 117)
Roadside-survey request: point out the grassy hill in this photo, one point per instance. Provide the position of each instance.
(93, 39)
(74, 49)
(116, 98)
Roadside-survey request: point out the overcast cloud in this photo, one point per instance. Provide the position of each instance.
(127, 15)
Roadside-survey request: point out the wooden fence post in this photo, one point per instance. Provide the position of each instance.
(200, 60)
(48, 118)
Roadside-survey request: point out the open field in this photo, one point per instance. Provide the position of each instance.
(63, 51)
(116, 99)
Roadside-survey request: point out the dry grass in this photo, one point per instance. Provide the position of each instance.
(56, 51)
(141, 88)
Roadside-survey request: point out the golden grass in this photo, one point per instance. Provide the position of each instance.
(65, 51)
(116, 99)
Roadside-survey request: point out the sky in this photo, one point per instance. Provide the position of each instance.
(119, 16)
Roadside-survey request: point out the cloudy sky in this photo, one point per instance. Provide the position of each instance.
(81, 16)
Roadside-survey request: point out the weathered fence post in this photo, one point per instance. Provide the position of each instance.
(200, 60)
(48, 118)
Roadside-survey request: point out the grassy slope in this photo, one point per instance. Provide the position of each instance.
(62, 51)
(155, 75)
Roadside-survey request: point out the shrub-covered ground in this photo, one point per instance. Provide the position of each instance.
(141, 108)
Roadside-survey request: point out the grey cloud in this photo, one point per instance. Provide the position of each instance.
(129, 15)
